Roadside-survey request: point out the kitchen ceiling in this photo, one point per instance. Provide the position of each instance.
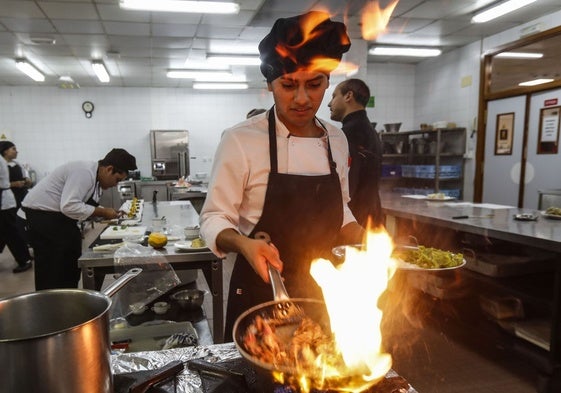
(139, 47)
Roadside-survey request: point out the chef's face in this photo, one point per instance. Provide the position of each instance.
(337, 105)
(11, 153)
(108, 177)
(297, 97)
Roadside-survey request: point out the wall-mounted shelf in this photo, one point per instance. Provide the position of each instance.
(424, 162)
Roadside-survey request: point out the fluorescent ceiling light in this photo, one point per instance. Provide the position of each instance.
(535, 82)
(197, 74)
(404, 51)
(100, 71)
(29, 70)
(520, 55)
(220, 86)
(203, 7)
(499, 10)
(234, 59)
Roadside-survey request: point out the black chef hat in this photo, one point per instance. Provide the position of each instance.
(5, 145)
(120, 159)
(295, 42)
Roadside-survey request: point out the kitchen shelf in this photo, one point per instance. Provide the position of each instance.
(413, 160)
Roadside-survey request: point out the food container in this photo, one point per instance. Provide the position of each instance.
(160, 307)
(392, 127)
(189, 299)
(191, 232)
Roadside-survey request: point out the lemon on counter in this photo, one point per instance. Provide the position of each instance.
(157, 240)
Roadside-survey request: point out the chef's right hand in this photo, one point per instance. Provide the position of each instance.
(259, 253)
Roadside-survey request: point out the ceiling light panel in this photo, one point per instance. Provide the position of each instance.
(520, 55)
(100, 71)
(499, 10)
(404, 51)
(29, 70)
(201, 7)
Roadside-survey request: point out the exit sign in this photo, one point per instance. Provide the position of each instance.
(550, 102)
(370, 103)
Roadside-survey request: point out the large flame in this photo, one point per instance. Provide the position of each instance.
(374, 19)
(351, 292)
(309, 23)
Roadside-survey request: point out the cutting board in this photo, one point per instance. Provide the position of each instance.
(120, 232)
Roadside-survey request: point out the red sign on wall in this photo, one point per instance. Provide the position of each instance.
(550, 102)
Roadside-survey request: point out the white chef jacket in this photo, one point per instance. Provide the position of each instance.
(236, 191)
(8, 199)
(66, 190)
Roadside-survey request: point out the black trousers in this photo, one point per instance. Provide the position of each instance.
(10, 235)
(57, 245)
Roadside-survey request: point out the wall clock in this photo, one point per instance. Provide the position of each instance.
(88, 108)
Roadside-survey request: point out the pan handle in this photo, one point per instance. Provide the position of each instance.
(121, 281)
(279, 290)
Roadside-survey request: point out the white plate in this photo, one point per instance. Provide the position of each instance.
(401, 264)
(552, 216)
(185, 245)
(444, 199)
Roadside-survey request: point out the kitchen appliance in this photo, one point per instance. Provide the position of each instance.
(57, 340)
(170, 154)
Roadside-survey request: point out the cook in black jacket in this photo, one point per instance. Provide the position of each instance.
(347, 105)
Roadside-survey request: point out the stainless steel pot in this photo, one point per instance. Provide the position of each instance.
(57, 340)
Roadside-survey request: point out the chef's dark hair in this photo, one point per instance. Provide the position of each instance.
(5, 145)
(361, 92)
(289, 48)
(120, 159)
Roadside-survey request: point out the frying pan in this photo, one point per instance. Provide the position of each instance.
(311, 308)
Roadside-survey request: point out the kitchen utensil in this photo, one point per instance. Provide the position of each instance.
(392, 127)
(57, 340)
(466, 216)
(189, 299)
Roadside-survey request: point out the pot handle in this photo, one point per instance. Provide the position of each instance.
(279, 290)
(121, 281)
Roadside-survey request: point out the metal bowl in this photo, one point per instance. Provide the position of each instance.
(189, 298)
(392, 127)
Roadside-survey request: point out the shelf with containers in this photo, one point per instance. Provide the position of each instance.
(424, 162)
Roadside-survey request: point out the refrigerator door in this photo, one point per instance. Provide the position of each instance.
(170, 154)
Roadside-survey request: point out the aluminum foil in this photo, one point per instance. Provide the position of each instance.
(188, 381)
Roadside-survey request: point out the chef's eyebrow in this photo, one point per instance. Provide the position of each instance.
(288, 79)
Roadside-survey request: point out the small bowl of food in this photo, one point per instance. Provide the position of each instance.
(189, 299)
(160, 307)
(191, 232)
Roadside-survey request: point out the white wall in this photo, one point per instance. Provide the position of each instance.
(49, 128)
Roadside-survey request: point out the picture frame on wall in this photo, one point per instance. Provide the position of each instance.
(548, 136)
(505, 134)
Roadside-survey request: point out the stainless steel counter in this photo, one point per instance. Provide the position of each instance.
(95, 265)
(404, 214)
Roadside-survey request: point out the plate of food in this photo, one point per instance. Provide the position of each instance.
(439, 197)
(552, 212)
(426, 258)
(197, 244)
(526, 217)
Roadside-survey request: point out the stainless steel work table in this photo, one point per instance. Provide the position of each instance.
(543, 234)
(95, 265)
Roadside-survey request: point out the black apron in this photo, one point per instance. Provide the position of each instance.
(16, 174)
(303, 216)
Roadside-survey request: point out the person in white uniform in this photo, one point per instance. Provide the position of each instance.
(278, 191)
(55, 205)
(9, 233)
